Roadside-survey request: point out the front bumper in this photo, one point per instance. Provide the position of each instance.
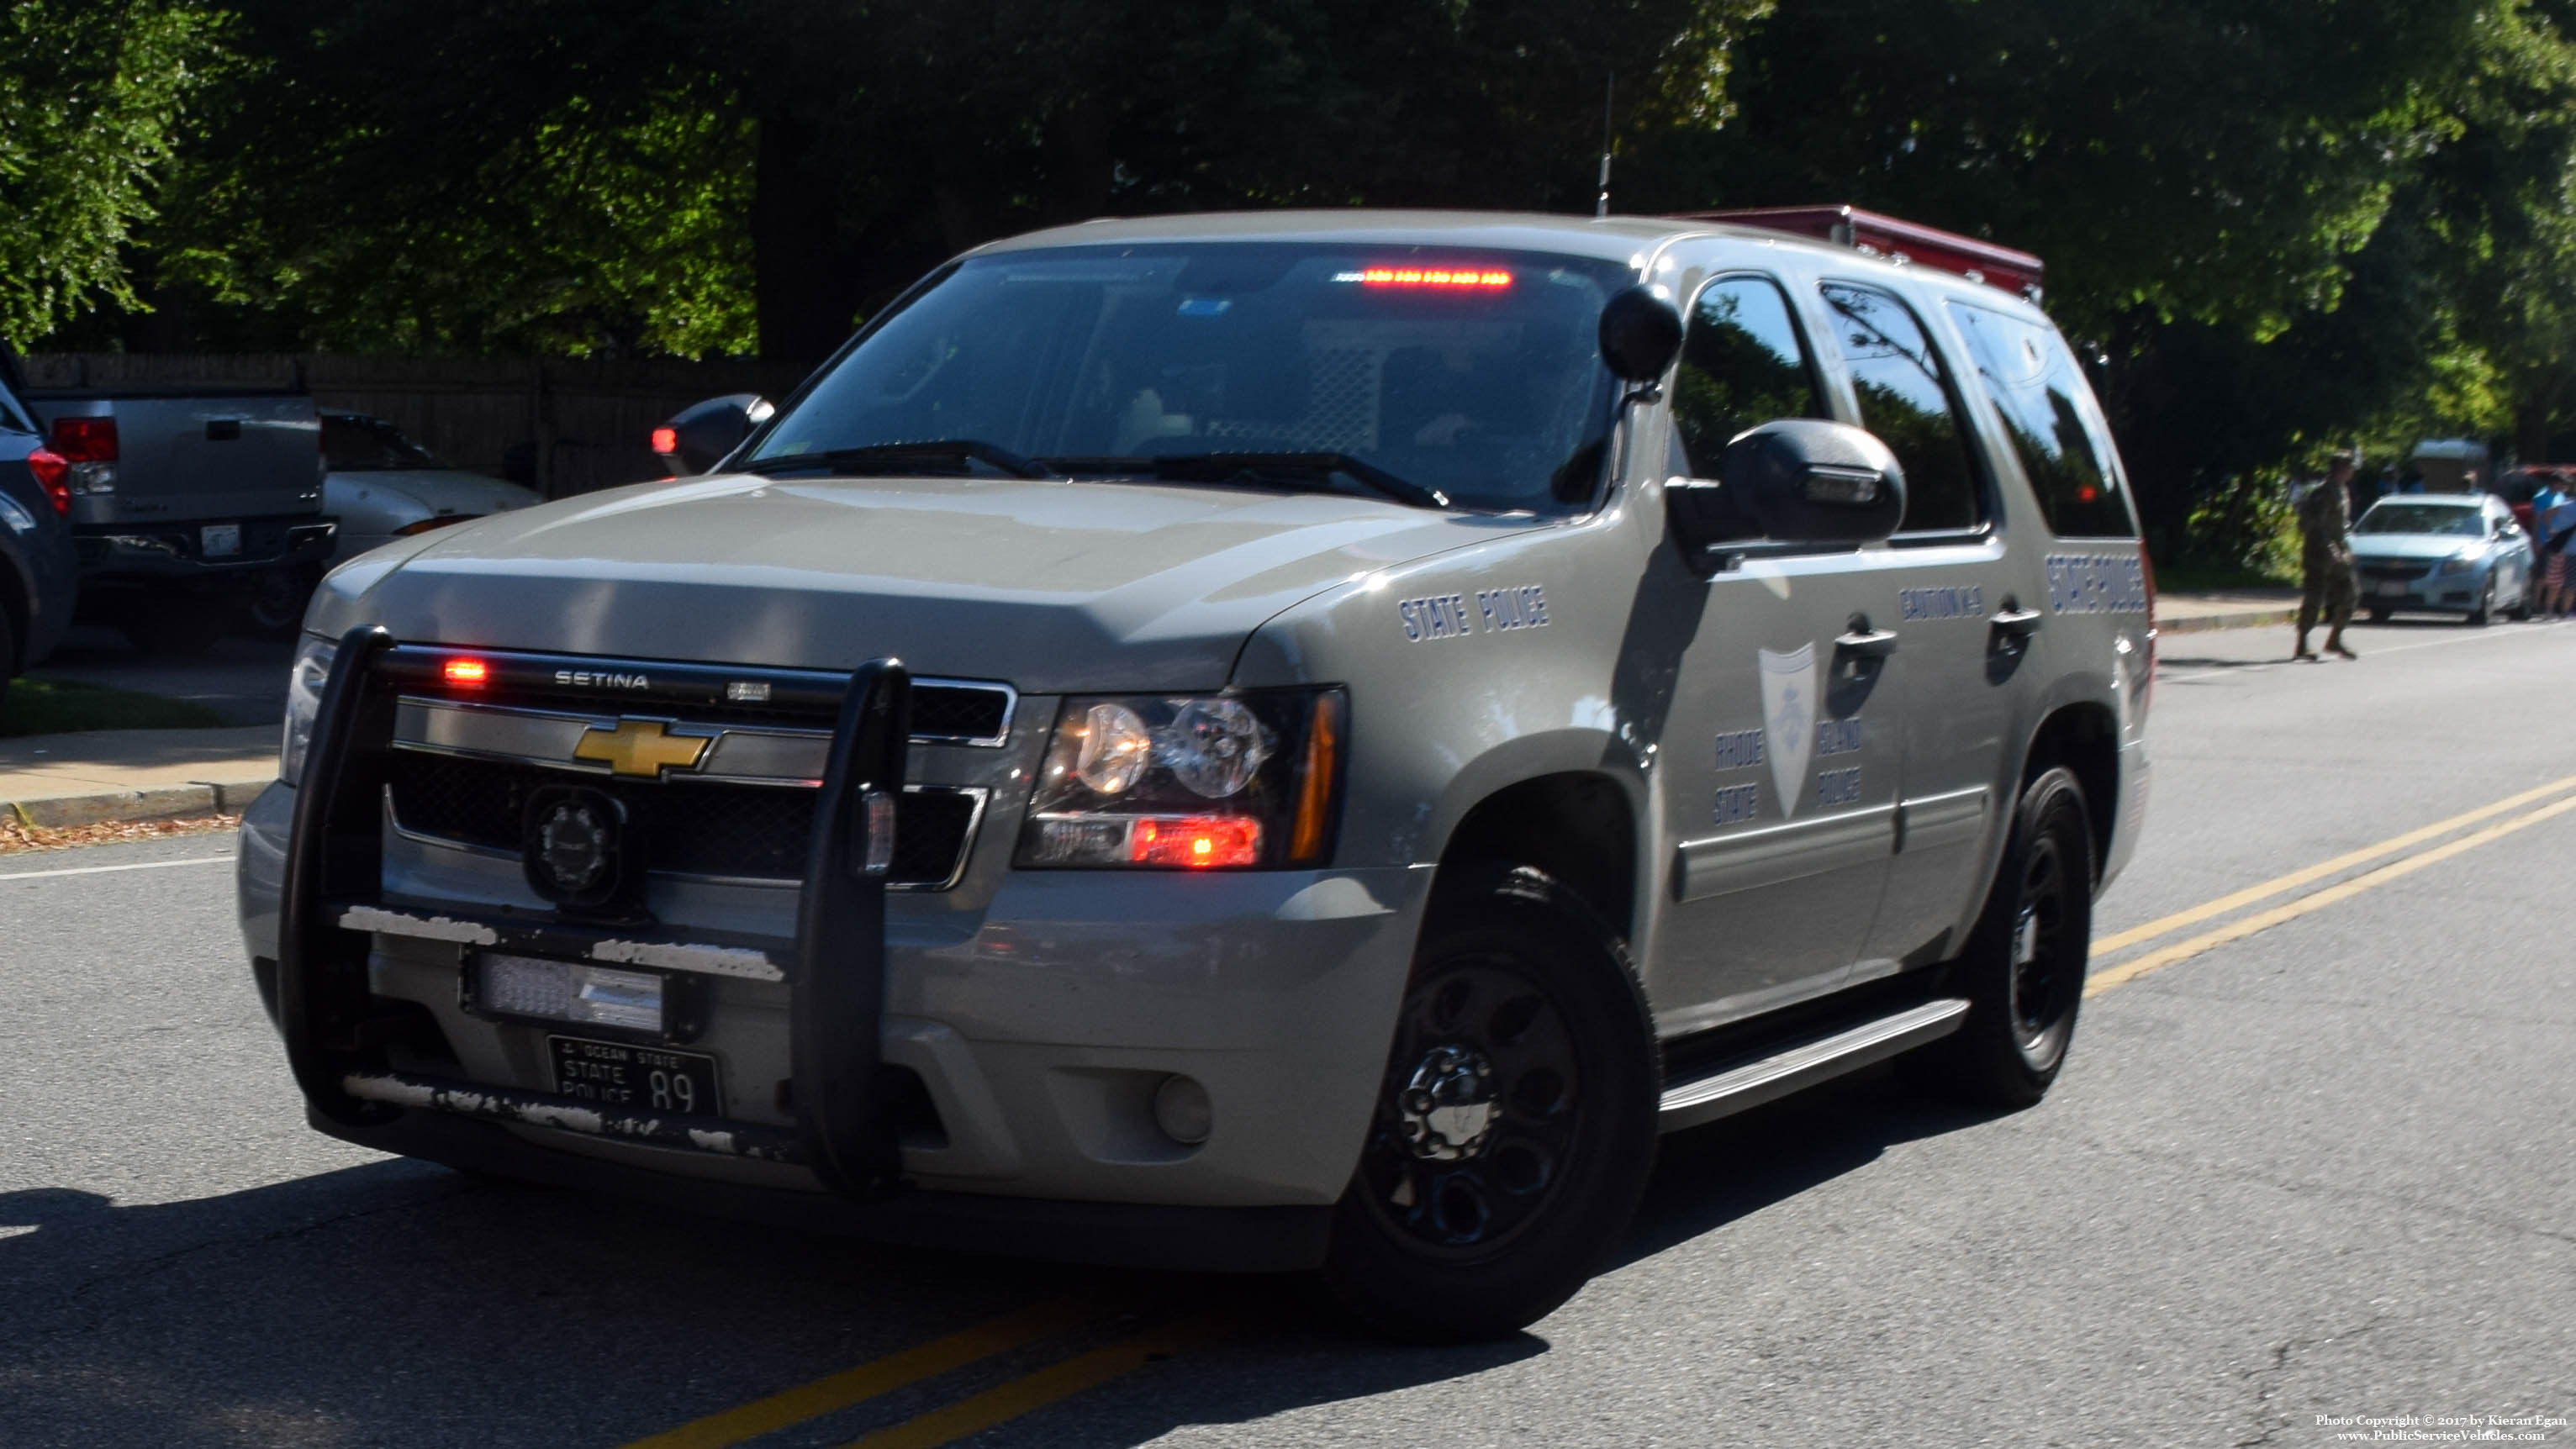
(2414, 587)
(1040, 1015)
(148, 554)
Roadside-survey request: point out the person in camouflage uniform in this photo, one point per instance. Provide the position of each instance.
(2325, 556)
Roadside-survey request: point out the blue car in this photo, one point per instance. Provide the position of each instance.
(2442, 553)
(39, 568)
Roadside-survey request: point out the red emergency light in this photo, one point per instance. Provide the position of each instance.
(666, 441)
(1195, 841)
(2001, 267)
(466, 673)
(1450, 278)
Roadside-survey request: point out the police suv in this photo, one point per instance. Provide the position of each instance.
(1266, 742)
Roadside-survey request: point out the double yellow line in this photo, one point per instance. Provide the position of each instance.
(972, 1415)
(1176, 1332)
(2104, 978)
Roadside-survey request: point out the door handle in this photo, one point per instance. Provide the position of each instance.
(2019, 623)
(1865, 641)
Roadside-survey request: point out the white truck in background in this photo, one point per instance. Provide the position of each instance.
(190, 507)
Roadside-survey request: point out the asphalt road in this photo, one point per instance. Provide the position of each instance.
(2326, 1168)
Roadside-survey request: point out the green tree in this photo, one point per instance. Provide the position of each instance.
(91, 94)
(2211, 184)
(713, 175)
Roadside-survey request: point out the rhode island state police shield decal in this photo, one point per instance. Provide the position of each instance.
(1789, 719)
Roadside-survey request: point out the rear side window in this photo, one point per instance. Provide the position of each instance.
(1743, 364)
(2056, 429)
(1906, 400)
(12, 418)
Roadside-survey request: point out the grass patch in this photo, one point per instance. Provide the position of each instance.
(53, 707)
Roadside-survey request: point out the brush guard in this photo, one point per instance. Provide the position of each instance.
(335, 1031)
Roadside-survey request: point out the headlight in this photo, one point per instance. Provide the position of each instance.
(2462, 562)
(1191, 783)
(303, 700)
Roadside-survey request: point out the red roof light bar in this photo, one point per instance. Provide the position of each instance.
(1444, 278)
(2000, 267)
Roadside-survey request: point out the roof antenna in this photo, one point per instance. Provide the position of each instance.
(1609, 87)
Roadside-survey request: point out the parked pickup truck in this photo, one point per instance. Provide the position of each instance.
(1280, 741)
(184, 505)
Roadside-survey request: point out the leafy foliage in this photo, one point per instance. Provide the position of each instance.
(90, 98)
(2282, 227)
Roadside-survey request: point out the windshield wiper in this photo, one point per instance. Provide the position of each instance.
(891, 458)
(1260, 468)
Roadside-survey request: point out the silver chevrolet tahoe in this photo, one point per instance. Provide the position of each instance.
(1267, 742)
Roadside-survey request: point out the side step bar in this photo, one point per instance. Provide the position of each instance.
(1732, 1089)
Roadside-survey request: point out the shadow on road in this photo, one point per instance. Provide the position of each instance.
(401, 1304)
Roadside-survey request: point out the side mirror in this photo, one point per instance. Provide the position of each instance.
(1641, 333)
(1797, 482)
(698, 437)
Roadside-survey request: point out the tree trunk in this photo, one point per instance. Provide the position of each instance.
(803, 297)
(2531, 431)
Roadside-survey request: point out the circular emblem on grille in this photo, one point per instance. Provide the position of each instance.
(573, 845)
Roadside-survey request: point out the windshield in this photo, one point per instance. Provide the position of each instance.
(352, 444)
(1469, 376)
(2423, 518)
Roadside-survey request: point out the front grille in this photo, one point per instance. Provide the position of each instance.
(945, 711)
(683, 827)
(2392, 573)
(941, 713)
(959, 712)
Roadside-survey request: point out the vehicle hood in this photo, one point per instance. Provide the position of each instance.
(2411, 546)
(1051, 585)
(427, 490)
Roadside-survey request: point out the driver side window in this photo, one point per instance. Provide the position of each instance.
(1743, 364)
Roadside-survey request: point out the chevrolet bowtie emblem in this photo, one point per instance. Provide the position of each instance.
(641, 748)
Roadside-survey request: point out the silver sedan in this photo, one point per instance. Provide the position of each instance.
(2442, 553)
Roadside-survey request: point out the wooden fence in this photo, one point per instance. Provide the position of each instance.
(560, 427)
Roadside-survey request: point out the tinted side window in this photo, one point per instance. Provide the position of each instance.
(2056, 429)
(1905, 400)
(12, 417)
(1743, 365)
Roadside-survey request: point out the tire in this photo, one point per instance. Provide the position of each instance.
(179, 625)
(274, 608)
(2484, 613)
(8, 656)
(1521, 1001)
(2379, 616)
(2023, 990)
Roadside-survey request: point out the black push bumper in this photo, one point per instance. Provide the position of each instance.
(335, 1030)
(1127, 1235)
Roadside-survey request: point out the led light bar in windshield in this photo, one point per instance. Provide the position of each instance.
(1447, 278)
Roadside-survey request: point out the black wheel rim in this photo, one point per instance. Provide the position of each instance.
(2043, 979)
(272, 601)
(1481, 1115)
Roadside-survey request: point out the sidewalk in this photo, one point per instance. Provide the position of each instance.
(2225, 609)
(57, 782)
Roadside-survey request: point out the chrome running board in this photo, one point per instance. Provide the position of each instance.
(1735, 1088)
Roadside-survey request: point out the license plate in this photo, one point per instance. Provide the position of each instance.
(220, 540)
(2392, 591)
(645, 1078)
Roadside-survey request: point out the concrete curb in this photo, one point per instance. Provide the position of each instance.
(117, 807)
(2236, 619)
